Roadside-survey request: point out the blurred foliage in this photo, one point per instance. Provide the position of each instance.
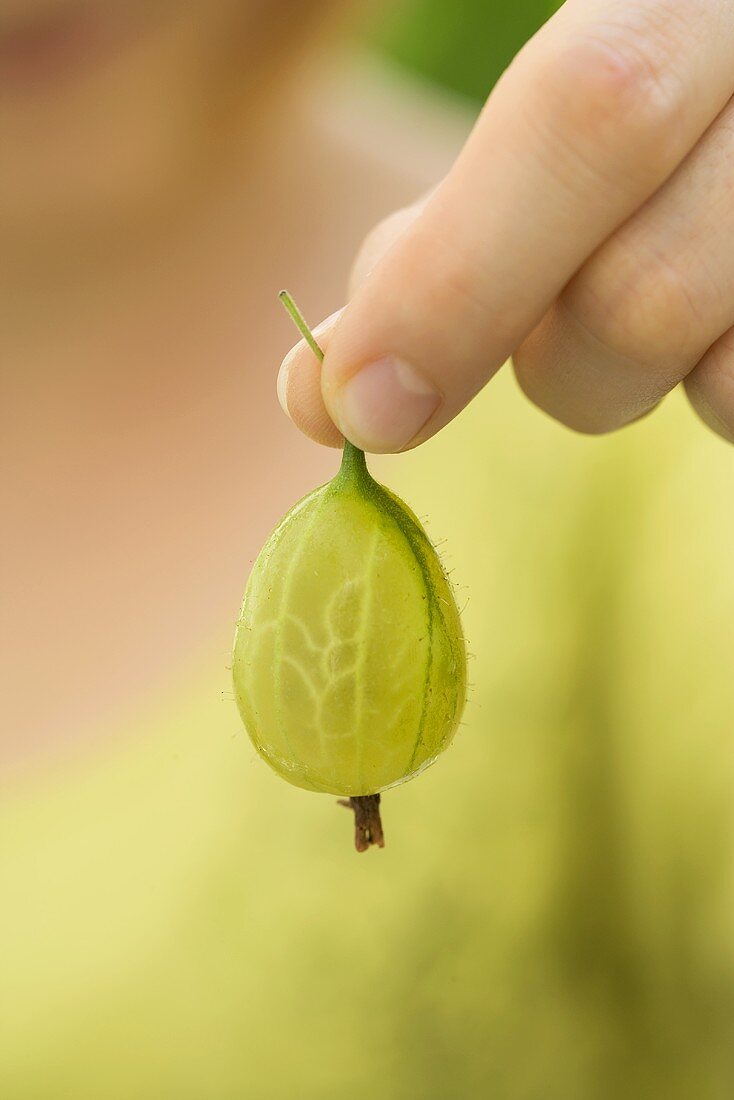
(463, 44)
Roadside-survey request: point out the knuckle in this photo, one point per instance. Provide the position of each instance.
(568, 379)
(606, 85)
(639, 305)
(569, 397)
(584, 417)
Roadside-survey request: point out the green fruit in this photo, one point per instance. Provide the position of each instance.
(349, 662)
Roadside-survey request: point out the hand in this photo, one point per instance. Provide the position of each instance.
(586, 229)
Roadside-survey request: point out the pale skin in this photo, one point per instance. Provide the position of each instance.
(585, 230)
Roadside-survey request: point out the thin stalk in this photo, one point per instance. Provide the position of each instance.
(353, 460)
(300, 322)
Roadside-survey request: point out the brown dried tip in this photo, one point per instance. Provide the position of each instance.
(367, 821)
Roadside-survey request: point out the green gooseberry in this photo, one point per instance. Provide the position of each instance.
(349, 661)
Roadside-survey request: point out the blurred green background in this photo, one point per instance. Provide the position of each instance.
(463, 45)
(552, 917)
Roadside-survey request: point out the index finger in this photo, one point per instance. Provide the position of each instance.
(592, 117)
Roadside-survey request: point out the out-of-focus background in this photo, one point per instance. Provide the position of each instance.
(552, 916)
(463, 46)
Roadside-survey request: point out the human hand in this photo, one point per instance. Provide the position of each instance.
(586, 229)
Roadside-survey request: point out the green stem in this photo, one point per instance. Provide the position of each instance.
(354, 464)
(353, 460)
(300, 323)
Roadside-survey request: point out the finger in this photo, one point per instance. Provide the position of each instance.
(710, 387)
(589, 121)
(642, 312)
(299, 388)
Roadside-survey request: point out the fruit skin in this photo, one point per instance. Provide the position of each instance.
(349, 662)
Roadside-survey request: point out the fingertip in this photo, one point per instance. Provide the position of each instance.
(283, 372)
(305, 404)
(299, 389)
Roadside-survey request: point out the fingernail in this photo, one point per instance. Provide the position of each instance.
(383, 406)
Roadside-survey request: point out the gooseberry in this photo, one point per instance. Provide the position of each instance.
(349, 662)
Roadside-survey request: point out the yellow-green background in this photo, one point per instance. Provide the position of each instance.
(553, 915)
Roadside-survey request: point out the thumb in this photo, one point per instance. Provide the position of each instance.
(387, 369)
(381, 239)
(299, 378)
